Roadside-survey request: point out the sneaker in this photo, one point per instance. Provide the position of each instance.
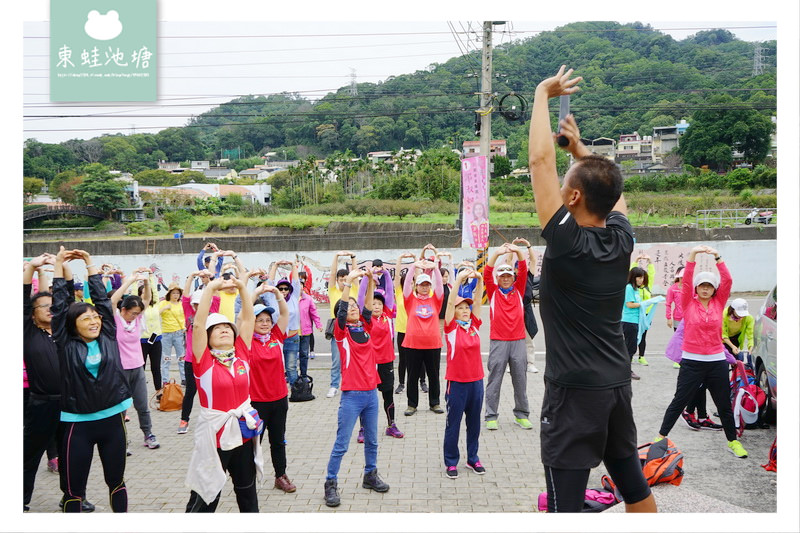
(676, 365)
(400, 388)
(424, 387)
(361, 436)
(643, 361)
(151, 442)
(284, 484)
(128, 452)
(331, 393)
(477, 467)
(392, 431)
(127, 418)
(532, 369)
(736, 449)
(52, 465)
(183, 427)
(86, 505)
(372, 481)
(410, 411)
(658, 438)
(491, 424)
(331, 493)
(690, 420)
(437, 409)
(183, 383)
(707, 423)
(524, 423)
(311, 355)
(634, 376)
(451, 472)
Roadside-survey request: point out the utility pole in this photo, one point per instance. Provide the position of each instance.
(486, 90)
(758, 60)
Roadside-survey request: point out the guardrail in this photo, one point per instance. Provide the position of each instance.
(717, 218)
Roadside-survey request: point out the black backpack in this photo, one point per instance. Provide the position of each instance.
(301, 390)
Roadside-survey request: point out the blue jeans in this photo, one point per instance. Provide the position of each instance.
(291, 347)
(356, 404)
(176, 339)
(305, 342)
(463, 399)
(336, 365)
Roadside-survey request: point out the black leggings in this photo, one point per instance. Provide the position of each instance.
(40, 428)
(566, 488)
(420, 361)
(77, 449)
(643, 344)
(386, 387)
(239, 463)
(191, 390)
(630, 331)
(153, 352)
(274, 416)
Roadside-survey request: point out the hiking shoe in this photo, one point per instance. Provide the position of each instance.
(736, 449)
(634, 376)
(676, 365)
(410, 411)
(284, 484)
(331, 493)
(372, 481)
(707, 423)
(52, 465)
(477, 467)
(532, 369)
(151, 442)
(437, 409)
(643, 361)
(424, 387)
(400, 388)
(392, 431)
(451, 472)
(524, 423)
(360, 438)
(690, 420)
(183, 427)
(491, 424)
(331, 392)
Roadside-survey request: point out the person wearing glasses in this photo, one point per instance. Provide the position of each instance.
(94, 389)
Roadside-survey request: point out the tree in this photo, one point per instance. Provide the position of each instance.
(502, 166)
(31, 187)
(100, 190)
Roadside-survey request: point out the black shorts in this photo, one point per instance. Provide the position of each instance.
(579, 427)
(386, 373)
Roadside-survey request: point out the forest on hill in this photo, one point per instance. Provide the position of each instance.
(635, 78)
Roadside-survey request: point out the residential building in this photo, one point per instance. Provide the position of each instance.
(254, 173)
(220, 173)
(603, 146)
(667, 138)
(635, 147)
(260, 193)
(473, 148)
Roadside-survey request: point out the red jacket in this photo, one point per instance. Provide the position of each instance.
(703, 326)
(506, 311)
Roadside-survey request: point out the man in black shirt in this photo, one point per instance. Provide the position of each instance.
(586, 411)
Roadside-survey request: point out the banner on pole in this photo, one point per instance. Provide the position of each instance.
(475, 189)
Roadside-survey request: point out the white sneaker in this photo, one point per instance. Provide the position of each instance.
(532, 368)
(312, 355)
(331, 392)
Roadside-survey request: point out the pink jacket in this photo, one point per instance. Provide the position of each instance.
(674, 297)
(703, 327)
(309, 314)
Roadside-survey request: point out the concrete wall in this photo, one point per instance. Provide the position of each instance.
(752, 262)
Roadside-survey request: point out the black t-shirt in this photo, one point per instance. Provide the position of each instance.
(445, 297)
(582, 290)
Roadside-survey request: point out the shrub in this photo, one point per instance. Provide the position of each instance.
(148, 227)
(633, 184)
(739, 179)
(178, 219)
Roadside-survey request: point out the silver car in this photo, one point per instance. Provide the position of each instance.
(765, 353)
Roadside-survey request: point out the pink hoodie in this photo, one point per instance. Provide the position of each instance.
(703, 327)
(309, 314)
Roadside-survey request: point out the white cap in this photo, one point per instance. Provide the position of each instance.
(706, 277)
(423, 278)
(218, 318)
(740, 306)
(196, 296)
(746, 406)
(504, 269)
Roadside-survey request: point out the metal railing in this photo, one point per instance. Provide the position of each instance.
(718, 218)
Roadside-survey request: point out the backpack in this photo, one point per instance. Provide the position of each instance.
(747, 398)
(661, 462)
(301, 390)
(772, 463)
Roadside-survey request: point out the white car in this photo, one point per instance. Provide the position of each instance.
(765, 352)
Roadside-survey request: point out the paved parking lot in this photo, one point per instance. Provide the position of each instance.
(413, 465)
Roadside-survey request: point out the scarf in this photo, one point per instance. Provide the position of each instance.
(464, 323)
(261, 338)
(225, 357)
(506, 291)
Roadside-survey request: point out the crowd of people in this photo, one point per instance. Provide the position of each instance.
(86, 348)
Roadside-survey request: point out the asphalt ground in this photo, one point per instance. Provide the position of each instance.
(714, 480)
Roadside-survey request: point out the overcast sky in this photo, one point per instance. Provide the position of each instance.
(262, 57)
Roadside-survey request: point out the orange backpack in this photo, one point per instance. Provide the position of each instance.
(661, 462)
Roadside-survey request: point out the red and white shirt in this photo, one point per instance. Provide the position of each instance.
(220, 387)
(382, 337)
(359, 367)
(422, 328)
(267, 379)
(464, 362)
(506, 311)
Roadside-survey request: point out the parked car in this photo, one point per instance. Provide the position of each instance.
(765, 352)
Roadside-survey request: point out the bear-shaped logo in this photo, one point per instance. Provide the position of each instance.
(103, 27)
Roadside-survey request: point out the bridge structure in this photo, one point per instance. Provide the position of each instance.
(59, 210)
